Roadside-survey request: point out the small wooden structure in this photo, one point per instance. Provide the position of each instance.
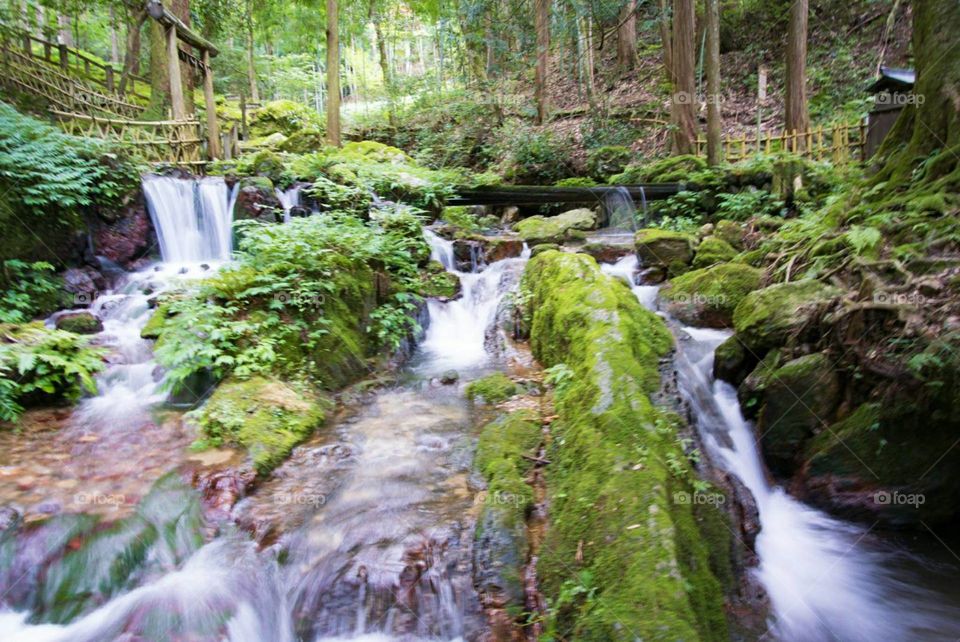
(893, 91)
(176, 32)
(839, 142)
(541, 195)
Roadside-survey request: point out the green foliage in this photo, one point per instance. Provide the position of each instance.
(605, 161)
(746, 204)
(492, 389)
(38, 364)
(297, 301)
(45, 168)
(285, 117)
(531, 156)
(29, 290)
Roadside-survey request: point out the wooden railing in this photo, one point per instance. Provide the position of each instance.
(69, 60)
(839, 142)
(164, 141)
(25, 73)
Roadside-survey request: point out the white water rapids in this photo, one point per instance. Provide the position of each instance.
(827, 580)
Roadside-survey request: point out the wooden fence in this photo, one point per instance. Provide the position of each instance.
(69, 60)
(163, 141)
(839, 142)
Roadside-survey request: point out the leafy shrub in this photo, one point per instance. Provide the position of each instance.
(29, 290)
(39, 364)
(532, 156)
(608, 160)
(746, 204)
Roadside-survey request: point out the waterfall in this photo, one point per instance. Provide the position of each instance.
(827, 580)
(289, 199)
(457, 332)
(620, 210)
(192, 217)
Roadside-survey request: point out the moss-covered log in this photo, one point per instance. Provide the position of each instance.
(626, 557)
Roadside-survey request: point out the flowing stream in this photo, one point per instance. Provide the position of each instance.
(369, 524)
(827, 579)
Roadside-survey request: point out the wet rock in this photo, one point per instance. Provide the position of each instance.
(543, 247)
(799, 400)
(769, 317)
(607, 251)
(732, 362)
(709, 296)
(127, 238)
(257, 200)
(449, 377)
(468, 255)
(731, 232)
(500, 248)
(83, 284)
(438, 283)
(671, 250)
(510, 215)
(653, 275)
(556, 229)
(79, 323)
(10, 518)
(221, 489)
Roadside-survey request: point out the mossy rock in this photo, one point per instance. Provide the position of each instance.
(731, 232)
(540, 248)
(265, 416)
(440, 284)
(799, 400)
(751, 389)
(501, 536)
(708, 297)
(770, 317)
(713, 250)
(613, 497)
(673, 250)
(607, 160)
(304, 141)
(732, 362)
(154, 325)
(673, 169)
(555, 229)
(79, 323)
(492, 389)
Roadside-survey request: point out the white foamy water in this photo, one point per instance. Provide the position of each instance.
(193, 218)
(289, 199)
(827, 580)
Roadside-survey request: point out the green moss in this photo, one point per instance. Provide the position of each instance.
(663, 247)
(769, 317)
(668, 170)
(616, 464)
(439, 283)
(713, 250)
(492, 388)
(555, 229)
(79, 323)
(731, 232)
(540, 248)
(607, 160)
(266, 416)
(154, 325)
(708, 297)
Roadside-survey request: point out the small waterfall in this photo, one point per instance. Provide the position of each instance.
(827, 580)
(457, 332)
(193, 218)
(621, 211)
(289, 199)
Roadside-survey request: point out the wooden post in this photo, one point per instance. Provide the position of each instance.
(213, 127)
(64, 54)
(109, 78)
(243, 117)
(176, 83)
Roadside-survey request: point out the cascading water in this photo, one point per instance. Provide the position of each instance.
(376, 513)
(455, 338)
(621, 210)
(827, 580)
(289, 199)
(193, 218)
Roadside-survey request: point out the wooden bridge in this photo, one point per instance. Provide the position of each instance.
(86, 98)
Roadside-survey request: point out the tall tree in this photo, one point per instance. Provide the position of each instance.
(714, 124)
(131, 57)
(665, 22)
(797, 118)
(683, 48)
(542, 26)
(333, 74)
(627, 36)
(251, 68)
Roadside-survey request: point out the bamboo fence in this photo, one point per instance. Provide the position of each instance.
(840, 142)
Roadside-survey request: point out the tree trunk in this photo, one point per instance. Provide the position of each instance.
(665, 22)
(114, 37)
(683, 52)
(627, 37)
(797, 118)
(181, 9)
(714, 117)
(333, 74)
(384, 65)
(542, 25)
(251, 69)
(65, 36)
(931, 121)
(131, 57)
(159, 72)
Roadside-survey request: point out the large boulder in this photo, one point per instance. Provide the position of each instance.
(555, 229)
(125, 239)
(708, 297)
(83, 284)
(732, 362)
(257, 199)
(607, 250)
(671, 250)
(799, 400)
(769, 317)
(79, 323)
